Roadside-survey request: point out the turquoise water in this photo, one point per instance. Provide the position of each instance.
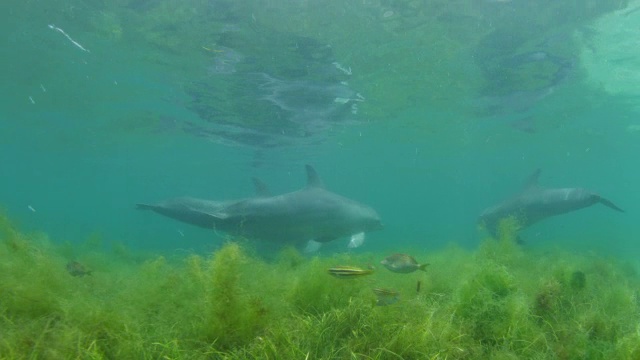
(429, 111)
(106, 104)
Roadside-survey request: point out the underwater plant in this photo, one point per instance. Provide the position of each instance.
(496, 302)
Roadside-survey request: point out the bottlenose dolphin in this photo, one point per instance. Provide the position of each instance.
(535, 203)
(312, 213)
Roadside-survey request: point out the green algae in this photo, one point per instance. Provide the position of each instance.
(501, 301)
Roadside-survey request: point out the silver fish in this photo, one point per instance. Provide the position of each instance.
(386, 296)
(402, 263)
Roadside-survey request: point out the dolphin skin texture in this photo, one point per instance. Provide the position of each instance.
(536, 203)
(311, 213)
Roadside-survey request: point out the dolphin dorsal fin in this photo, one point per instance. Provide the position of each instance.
(313, 179)
(532, 180)
(261, 188)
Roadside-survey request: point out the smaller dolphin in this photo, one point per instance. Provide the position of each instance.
(536, 203)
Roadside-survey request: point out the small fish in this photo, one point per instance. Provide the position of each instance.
(386, 296)
(348, 272)
(76, 269)
(402, 263)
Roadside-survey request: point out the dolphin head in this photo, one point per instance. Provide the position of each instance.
(362, 217)
(372, 221)
(348, 215)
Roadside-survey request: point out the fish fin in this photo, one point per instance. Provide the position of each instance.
(356, 240)
(532, 180)
(261, 188)
(313, 179)
(312, 246)
(609, 204)
(423, 267)
(145, 207)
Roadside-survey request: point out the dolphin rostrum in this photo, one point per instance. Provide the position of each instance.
(535, 203)
(311, 213)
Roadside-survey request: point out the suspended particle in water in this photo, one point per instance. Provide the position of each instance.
(388, 14)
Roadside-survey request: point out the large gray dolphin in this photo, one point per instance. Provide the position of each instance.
(535, 203)
(311, 213)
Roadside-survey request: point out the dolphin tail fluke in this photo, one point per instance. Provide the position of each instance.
(144, 207)
(423, 267)
(608, 203)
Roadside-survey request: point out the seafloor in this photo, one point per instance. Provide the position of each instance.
(501, 301)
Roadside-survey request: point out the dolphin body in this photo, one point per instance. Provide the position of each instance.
(536, 203)
(311, 213)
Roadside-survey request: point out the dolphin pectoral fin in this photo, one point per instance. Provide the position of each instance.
(356, 240)
(609, 204)
(312, 246)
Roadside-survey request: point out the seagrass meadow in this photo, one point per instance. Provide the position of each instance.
(499, 301)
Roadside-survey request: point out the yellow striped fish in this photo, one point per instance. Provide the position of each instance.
(348, 272)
